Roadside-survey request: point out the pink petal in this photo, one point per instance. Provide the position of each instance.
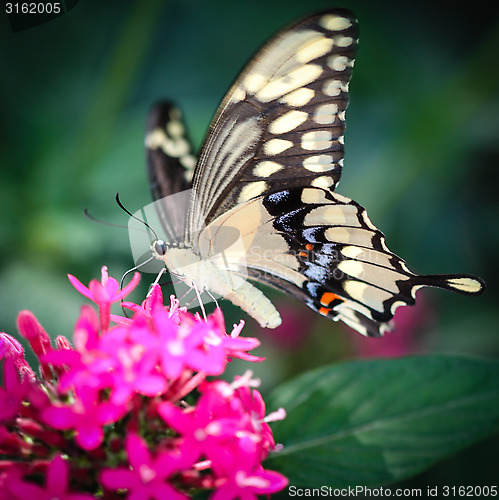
(57, 476)
(165, 491)
(137, 451)
(11, 377)
(80, 287)
(133, 283)
(111, 287)
(151, 385)
(59, 417)
(275, 481)
(115, 479)
(9, 346)
(25, 490)
(89, 437)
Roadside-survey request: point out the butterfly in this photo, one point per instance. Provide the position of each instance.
(267, 170)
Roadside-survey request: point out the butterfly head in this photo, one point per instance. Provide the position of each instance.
(159, 248)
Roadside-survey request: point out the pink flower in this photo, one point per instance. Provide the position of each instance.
(56, 485)
(135, 352)
(14, 392)
(87, 416)
(222, 416)
(146, 478)
(10, 348)
(113, 384)
(243, 476)
(200, 346)
(87, 366)
(104, 293)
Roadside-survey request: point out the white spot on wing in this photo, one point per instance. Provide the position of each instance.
(318, 139)
(334, 22)
(252, 190)
(324, 182)
(276, 146)
(352, 268)
(350, 236)
(469, 285)
(371, 296)
(314, 49)
(338, 63)
(296, 78)
(332, 215)
(326, 113)
(298, 97)
(188, 161)
(254, 82)
(343, 41)
(175, 128)
(266, 168)
(333, 88)
(288, 122)
(155, 138)
(311, 195)
(320, 163)
(238, 95)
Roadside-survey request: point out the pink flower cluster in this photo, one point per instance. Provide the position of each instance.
(127, 410)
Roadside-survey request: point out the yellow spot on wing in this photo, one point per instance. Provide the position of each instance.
(298, 97)
(314, 50)
(318, 139)
(252, 190)
(276, 146)
(296, 78)
(334, 22)
(266, 168)
(320, 163)
(288, 122)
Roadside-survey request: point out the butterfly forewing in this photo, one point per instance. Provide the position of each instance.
(282, 122)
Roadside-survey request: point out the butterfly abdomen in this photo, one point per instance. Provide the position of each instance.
(211, 274)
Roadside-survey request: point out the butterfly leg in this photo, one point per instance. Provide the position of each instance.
(212, 297)
(156, 281)
(198, 295)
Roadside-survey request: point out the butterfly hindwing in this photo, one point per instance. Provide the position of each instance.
(322, 248)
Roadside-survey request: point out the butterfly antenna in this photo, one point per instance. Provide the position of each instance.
(118, 201)
(106, 223)
(135, 268)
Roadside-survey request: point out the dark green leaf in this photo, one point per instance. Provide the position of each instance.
(374, 422)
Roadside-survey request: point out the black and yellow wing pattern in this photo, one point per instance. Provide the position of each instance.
(269, 167)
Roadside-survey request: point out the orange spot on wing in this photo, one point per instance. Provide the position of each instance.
(328, 297)
(309, 246)
(324, 311)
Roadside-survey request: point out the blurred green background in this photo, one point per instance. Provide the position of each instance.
(422, 154)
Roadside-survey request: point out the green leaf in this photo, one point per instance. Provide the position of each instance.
(374, 422)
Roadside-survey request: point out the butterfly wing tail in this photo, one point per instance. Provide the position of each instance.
(466, 284)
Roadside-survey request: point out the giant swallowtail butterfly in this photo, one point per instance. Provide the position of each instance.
(269, 167)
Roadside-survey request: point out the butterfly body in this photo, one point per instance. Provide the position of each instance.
(207, 273)
(262, 204)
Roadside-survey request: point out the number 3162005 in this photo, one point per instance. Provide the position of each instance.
(469, 491)
(33, 8)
